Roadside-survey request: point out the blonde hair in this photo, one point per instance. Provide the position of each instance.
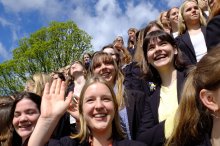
(193, 120)
(84, 131)
(38, 82)
(182, 25)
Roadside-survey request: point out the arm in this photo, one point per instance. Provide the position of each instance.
(53, 107)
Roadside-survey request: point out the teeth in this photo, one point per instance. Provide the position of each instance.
(159, 57)
(99, 115)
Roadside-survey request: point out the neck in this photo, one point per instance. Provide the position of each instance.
(193, 26)
(102, 138)
(168, 76)
(215, 137)
(175, 28)
(79, 79)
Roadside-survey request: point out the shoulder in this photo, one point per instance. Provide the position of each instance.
(127, 142)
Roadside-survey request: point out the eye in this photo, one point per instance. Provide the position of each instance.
(16, 114)
(151, 47)
(31, 112)
(89, 100)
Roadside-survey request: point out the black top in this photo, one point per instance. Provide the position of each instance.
(67, 141)
(185, 44)
(213, 32)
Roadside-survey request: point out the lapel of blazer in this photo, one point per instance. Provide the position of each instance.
(186, 39)
(180, 82)
(154, 102)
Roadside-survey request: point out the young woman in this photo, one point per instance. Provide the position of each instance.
(67, 123)
(25, 113)
(197, 120)
(172, 16)
(130, 101)
(192, 31)
(132, 41)
(86, 60)
(98, 114)
(165, 68)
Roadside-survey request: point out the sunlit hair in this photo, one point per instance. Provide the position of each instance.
(182, 25)
(6, 130)
(149, 71)
(85, 131)
(102, 57)
(37, 83)
(141, 34)
(215, 10)
(18, 97)
(193, 120)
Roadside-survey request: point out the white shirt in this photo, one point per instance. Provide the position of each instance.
(198, 42)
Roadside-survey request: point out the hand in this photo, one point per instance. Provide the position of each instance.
(53, 104)
(73, 109)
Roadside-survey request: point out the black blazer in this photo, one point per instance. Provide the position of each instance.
(151, 130)
(67, 141)
(184, 43)
(213, 32)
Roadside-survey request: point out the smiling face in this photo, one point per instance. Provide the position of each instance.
(191, 12)
(25, 118)
(111, 52)
(160, 54)
(104, 66)
(173, 16)
(98, 107)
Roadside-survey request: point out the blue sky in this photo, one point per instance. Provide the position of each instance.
(102, 19)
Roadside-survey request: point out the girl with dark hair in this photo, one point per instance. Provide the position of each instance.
(165, 68)
(24, 115)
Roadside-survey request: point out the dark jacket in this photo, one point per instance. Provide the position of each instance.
(136, 92)
(151, 130)
(213, 32)
(67, 141)
(184, 43)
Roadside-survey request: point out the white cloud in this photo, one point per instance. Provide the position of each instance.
(5, 22)
(174, 3)
(109, 20)
(3, 52)
(102, 19)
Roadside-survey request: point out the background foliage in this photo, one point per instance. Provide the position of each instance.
(46, 50)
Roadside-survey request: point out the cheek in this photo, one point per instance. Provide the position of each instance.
(15, 122)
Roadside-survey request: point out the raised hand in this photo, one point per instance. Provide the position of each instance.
(53, 104)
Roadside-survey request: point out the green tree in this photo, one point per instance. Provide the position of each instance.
(46, 50)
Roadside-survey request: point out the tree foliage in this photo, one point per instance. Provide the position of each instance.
(46, 50)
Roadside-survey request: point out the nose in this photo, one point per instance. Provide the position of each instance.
(102, 67)
(23, 118)
(157, 48)
(98, 104)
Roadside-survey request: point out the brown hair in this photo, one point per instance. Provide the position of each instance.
(193, 119)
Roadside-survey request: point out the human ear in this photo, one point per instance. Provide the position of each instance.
(208, 99)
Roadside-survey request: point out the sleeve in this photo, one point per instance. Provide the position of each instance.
(150, 132)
